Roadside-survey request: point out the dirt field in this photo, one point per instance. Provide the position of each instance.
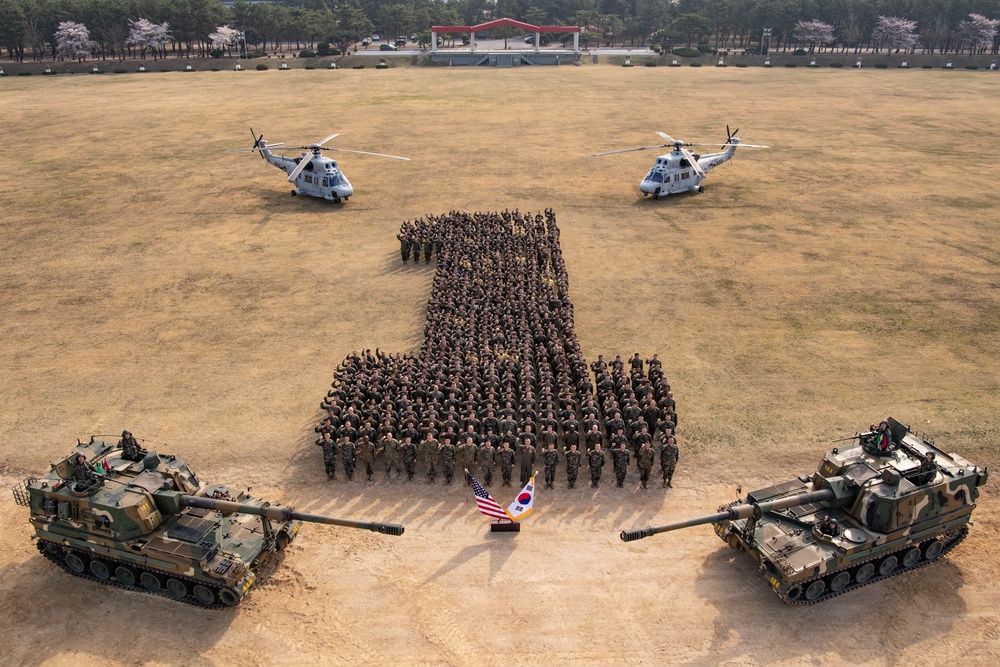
(151, 281)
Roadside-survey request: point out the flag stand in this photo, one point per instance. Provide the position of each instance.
(502, 526)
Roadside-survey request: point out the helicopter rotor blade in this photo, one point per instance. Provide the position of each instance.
(694, 162)
(344, 150)
(306, 159)
(629, 150)
(320, 143)
(667, 137)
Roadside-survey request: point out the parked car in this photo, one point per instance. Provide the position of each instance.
(366, 41)
(387, 47)
(375, 38)
(413, 37)
(401, 40)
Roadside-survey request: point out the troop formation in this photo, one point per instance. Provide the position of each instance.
(500, 381)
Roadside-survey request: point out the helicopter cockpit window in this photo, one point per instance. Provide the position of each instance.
(654, 177)
(336, 179)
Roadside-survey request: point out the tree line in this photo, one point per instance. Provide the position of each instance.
(108, 29)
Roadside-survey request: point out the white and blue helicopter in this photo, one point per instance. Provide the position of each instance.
(311, 173)
(680, 170)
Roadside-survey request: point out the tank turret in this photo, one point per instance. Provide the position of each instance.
(143, 521)
(890, 503)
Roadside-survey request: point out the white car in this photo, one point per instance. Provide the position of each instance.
(375, 38)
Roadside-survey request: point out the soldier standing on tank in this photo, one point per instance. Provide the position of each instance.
(645, 462)
(349, 455)
(83, 473)
(366, 452)
(573, 459)
(506, 456)
(526, 458)
(669, 456)
(130, 447)
(466, 456)
(486, 460)
(620, 459)
(596, 461)
(550, 457)
(329, 454)
(409, 453)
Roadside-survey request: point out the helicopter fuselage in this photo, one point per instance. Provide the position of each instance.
(673, 173)
(320, 178)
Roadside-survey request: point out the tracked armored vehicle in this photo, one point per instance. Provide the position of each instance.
(143, 521)
(872, 510)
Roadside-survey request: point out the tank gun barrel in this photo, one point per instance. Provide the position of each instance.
(741, 511)
(287, 514)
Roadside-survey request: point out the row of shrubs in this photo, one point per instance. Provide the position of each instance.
(121, 70)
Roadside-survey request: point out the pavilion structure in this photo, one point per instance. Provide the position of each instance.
(472, 56)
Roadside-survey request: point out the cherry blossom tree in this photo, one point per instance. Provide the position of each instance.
(148, 35)
(225, 37)
(813, 33)
(893, 32)
(977, 32)
(73, 40)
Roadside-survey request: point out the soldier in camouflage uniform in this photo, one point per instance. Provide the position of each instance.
(429, 451)
(487, 461)
(573, 459)
(408, 451)
(645, 461)
(83, 473)
(390, 450)
(596, 461)
(526, 458)
(447, 452)
(366, 452)
(466, 456)
(329, 446)
(349, 455)
(550, 457)
(506, 456)
(130, 447)
(669, 456)
(620, 459)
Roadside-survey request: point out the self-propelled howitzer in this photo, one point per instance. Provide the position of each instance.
(866, 514)
(147, 523)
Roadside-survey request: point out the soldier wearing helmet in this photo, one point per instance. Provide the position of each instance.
(130, 447)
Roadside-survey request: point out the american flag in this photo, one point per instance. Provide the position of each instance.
(487, 505)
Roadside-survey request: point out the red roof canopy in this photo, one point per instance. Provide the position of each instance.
(499, 22)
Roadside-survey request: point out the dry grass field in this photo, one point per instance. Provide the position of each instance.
(150, 281)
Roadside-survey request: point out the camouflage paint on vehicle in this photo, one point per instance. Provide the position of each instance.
(894, 512)
(152, 525)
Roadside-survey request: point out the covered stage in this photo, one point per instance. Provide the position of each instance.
(505, 58)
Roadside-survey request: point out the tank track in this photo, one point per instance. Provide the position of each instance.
(954, 542)
(54, 556)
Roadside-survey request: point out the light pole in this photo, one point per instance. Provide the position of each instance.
(765, 37)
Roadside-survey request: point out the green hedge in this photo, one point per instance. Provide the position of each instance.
(836, 64)
(881, 66)
(261, 67)
(791, 65)
(306, 53)
(695, 64)
(650, 63)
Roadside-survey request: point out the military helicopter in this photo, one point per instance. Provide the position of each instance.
(311, 173)
(680, 170)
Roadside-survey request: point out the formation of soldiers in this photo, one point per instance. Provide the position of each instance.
(500, 380)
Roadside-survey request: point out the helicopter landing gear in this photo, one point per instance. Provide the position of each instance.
(336, 199)
(295, 192)
(701, 188)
